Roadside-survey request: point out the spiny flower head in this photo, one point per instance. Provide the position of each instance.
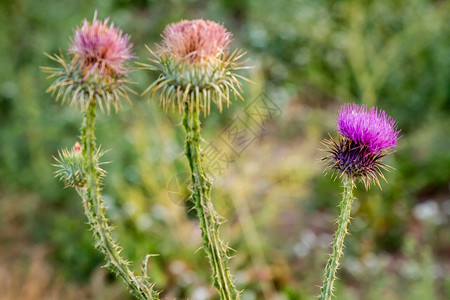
(101, 48)
(195, 66)
(97, 70)
(365, 136)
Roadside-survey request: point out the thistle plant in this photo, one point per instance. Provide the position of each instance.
(196, 69)
(365, 137)
(96, 75)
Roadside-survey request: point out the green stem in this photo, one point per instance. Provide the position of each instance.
(96, 213)
(338, 243)
(209, 218)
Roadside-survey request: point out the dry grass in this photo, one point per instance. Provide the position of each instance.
(32, 278)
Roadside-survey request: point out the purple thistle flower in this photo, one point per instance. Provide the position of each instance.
(366, 136)
(373, 128)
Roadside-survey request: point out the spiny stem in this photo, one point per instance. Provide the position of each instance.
(96, 213)
(338, 243)
(209, 218)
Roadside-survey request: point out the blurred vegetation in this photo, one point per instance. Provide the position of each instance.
(310, 56)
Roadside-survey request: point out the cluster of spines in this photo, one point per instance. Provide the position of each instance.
(181, 82)
(347, 158)
(71, 85)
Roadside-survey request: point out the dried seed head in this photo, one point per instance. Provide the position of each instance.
(195, 67)
(366, 136)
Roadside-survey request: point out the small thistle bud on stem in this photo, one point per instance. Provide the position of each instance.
(366, 136)
(95, 75)
(194, 69)
(71, 166)
(71, 169)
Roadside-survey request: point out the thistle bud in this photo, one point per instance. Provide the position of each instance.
(365, 136)
(98, 68)
(71, 167)
(195, 67)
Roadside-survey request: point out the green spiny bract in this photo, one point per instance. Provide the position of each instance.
(72, 166)
(72, 85)
(180, 81)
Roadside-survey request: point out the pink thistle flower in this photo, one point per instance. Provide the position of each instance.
(195, 41)
(101, 48)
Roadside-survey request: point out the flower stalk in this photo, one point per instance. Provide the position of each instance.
(95, 211)
(209, 219)
(195, 69)
(343, 221)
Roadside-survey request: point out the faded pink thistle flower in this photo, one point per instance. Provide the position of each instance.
(97, 70)
(101, 48)
(195, 66)
(195, 41)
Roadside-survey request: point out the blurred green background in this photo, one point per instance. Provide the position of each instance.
(309, 57)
